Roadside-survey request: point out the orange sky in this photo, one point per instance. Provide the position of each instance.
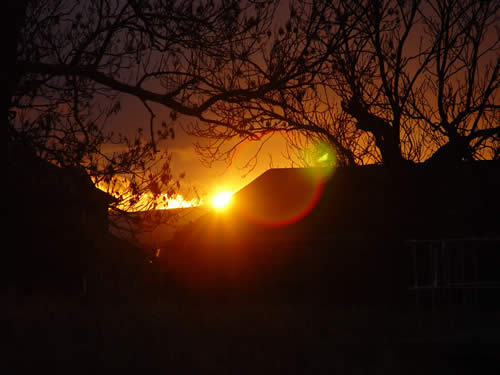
(220, 176)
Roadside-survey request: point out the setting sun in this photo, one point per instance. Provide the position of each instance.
(221, 199)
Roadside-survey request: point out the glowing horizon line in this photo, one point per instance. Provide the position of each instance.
(163, 201)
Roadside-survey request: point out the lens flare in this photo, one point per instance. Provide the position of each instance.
(322, 156)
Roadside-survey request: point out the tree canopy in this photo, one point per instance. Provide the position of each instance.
(70, 62)
(386, 81)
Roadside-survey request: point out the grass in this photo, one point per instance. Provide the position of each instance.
(245, 338)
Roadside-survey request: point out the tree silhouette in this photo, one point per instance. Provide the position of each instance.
(425, 82)
(69, 63)
(381, 81)
(385, 81)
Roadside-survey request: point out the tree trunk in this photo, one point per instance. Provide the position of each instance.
(385, 138)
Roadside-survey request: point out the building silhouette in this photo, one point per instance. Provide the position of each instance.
(346, 237)
(57, 225)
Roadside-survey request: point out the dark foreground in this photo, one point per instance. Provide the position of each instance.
(246, 338)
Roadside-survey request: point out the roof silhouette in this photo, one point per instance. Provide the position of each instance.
(280, 196)
(350, 239)
(420, 201)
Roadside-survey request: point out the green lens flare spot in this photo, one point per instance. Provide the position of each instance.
(323, 158)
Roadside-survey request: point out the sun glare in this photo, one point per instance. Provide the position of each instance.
(221, 200)
(147, 201)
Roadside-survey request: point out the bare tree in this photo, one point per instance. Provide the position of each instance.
(465, 80)
(281, 89)
(388, 81)
(72, 61)
(424, 82)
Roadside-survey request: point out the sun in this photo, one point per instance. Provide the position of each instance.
(221, 199)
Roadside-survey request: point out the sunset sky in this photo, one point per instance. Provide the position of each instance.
(221, 176)
(206, 180)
